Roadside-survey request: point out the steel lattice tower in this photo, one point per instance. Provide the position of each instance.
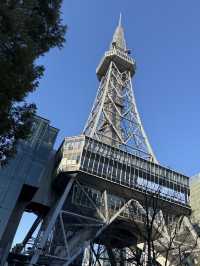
(114, 118)
(103, 177)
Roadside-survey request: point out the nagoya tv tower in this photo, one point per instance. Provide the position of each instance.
(102, 180)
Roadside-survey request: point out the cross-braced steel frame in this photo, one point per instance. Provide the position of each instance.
(68, 237)
(76, 237)
(114, 118)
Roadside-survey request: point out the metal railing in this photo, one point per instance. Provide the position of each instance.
(131, 171)
(117, 166)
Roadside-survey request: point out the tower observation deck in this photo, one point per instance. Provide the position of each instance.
(104, 177)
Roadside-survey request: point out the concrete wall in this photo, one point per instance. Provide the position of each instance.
(21, 179)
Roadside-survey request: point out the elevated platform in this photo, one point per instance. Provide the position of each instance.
(103, 167)
(103, 195)
(120, 58)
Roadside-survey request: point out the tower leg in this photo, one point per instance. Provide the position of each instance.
(30, 232)
(111, 256)
(51, 219)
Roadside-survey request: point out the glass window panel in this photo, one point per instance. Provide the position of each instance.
(123, 176)
(96, 163)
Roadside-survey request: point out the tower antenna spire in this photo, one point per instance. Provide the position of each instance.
(120, 19)
(118, 37)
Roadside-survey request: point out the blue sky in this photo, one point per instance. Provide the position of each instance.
(164, 37)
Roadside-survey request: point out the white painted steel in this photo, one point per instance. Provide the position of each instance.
(51, 221)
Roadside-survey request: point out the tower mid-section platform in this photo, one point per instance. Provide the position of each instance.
(125, 176)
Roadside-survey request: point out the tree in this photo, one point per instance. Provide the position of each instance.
(28, 29)
(168, 239)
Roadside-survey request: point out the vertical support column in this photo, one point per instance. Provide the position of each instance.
(9, 233)
(145, 254)
(53, 215)
(105, 197)
(111, 256)
(123, 257)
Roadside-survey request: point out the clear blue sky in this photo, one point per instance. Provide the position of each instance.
(164, 37)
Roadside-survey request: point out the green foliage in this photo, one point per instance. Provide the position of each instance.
(28, 29)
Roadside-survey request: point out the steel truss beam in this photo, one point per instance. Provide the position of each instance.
(81, 235)
(50, 222)
(114, 117)
(92, 229)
